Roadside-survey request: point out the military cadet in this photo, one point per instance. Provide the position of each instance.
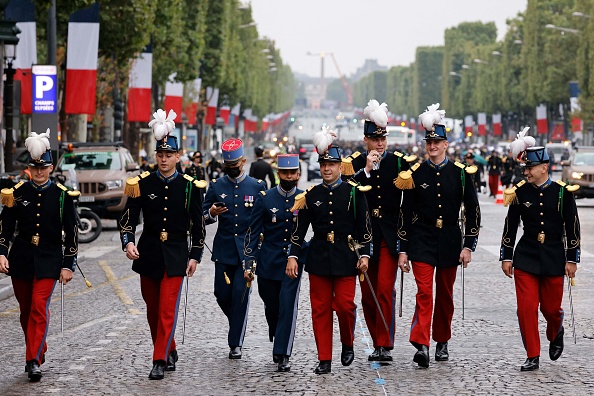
(171, 206)
(38, 255)
(337, 211)
(230, 201)
(430, 235)
(548, 249)
(273, 219)
(494, 167)
(196, 170)
(378, 168)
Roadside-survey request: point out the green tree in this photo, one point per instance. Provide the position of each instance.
(427, 76)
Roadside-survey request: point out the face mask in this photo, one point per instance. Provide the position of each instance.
(233, 172)
(288, 185)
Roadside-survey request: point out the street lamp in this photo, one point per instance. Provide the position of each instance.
(453, 73)
(247, 25)
(465, 67)
(581, 15)
(518, 42)
(480, 61)
(496, 53)
(562, 29)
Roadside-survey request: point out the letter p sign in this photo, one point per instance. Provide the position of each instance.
(43, 84)
(44, 88)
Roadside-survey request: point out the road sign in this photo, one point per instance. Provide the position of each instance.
(45, 88)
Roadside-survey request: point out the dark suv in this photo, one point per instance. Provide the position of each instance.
(101, 170)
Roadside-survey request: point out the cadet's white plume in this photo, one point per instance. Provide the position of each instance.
(38, 143)
(162, 126)
(431, 116)
(376, 113)
(522, 142)
(323, 139)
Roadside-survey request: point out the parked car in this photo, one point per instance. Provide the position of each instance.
(579, 169)
(556, 152)
(101, 173)
(313, 167)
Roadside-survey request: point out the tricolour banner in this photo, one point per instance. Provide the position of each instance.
(140, 85)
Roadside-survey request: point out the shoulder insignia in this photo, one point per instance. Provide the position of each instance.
(62, 187)
(263, 193)
(144, 174)
(471, 169)
(561, 183)
(459, 165)
(200, 183)
(347, 166)
(521, 183)
(7, 197)
(410, 158)
(509, 196)
(188, 177)
(214, 180)
(73, 194)
(572, 187)
(353, 183)
(260, 181)
(398, 154)
(132, 188)
(300, 201)
(355, 155)
(363, 188)
(19, 184)
(311, 188)
(415, 167)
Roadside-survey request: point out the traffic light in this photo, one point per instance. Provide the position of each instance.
(118, 115)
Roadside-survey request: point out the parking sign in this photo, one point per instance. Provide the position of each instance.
(45, 87)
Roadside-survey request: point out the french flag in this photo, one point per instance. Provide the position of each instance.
(139, 87)
(224, 112)
(482, 124)
(81, 61)
(235, 115)
(191, 108)
(174, 94)
(23, 11)
(496, 124)
(212, 95)
(468, 123)
(541, 119)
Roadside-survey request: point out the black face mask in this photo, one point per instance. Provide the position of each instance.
(288, 185)
(233, 172)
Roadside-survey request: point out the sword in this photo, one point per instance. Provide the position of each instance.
(248, 284)
(83, 275)
(462, 228)
(354, 246)
(185, 309)
(462, 291)
(62, 310)
(570, 283)
(401, 292)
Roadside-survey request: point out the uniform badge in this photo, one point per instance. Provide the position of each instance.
(295, 213)
(152, 196)
(274, 210)
(248, 200)
(527, 204)
(25, 203)
(424, 185)
(317, 203)
(223, 195)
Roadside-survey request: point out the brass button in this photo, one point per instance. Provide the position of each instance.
(439, 195)
(286, 230)
(438, 184)
(235, 214)
(440, 216)
(437, 173)
(165, 209)
(235, 225)
(166, 187)
(38, 204)
(287, 220)
(330, 203)
(286, 200)
(330, 192)
(330, 213)
(378, 176)
(236, 196)
(39, 195)
(166, 198)
(378, 186)
(236, 187)
(379, 207)
(235, 205)
(439, 206)
(541, 213)
(541, 194)
(542, 223)
(287, 210)
(38, 215)
(163, 229)
(164, 219)
(541, 204)
(379, 197)
(36, 225)
(235, 234)
(285, 240)
(331, 222)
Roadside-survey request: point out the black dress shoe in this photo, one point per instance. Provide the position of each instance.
(42, 361)
(375, 355)
(441, 352)
(556, 346)
(531, 364)
(324, 367)
(347, 356)
(171, 360)
(33, 370)
(284, 364)
(422, 356)
(276, 358)
(235, 353)
(158, 371)
(384, 355)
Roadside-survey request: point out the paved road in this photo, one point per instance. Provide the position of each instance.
(106, 346)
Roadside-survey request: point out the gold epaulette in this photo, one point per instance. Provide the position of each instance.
(70, 193)
(353, 183)
(197, 183)
(7, 197)
(398, 154)
(73, 193)
(355, 155)
(404, 181)
(410, 158)
(363, 188)
(459, 164)
(62, 187)
(260, 181)
(561, 183)
(132, 188)
(214, 180)
(347, 167)
(263, 193)
(568, 187)
(471, 170)
(300, 202)
(509, 195)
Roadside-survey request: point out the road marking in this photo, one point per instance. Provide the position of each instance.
(98, 251)
(111, 334)
(100, 342)
(76, 368)
(126, 300)
(95, 349)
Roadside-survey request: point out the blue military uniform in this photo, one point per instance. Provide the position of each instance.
(273, 219)
(239, 195)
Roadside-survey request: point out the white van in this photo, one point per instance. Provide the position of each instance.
(400, 136)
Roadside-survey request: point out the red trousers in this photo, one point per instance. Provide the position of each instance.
(329, 294)
(162, 298)
(34, 298)
(530, 291)
(444, 303)
(382, 275)
(494, 184)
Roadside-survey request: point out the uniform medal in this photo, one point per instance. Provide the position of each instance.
(274, 210)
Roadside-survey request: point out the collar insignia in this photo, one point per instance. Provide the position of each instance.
(317, 203)
(424, 185)
(527, 204)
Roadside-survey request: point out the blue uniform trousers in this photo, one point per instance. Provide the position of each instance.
(229, 299)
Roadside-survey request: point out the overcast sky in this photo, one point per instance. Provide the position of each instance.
(355, 30)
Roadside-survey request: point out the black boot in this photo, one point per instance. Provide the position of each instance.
(384, 355)
(347, 356)
(556, 346)
(284, 364)
(235, 353)
(441, 352)
(375, 355)
(42, 361)
(531, 364)
(171, 360)
(34, 371)
(158, 371)
(422, 356)
(324, 367)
